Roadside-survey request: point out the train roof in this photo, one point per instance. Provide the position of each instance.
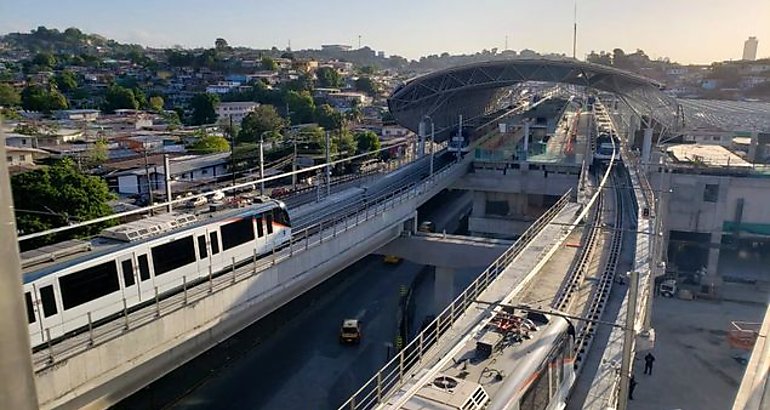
(514, 361)
(46, 260)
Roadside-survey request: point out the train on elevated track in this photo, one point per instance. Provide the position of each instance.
(76, 284)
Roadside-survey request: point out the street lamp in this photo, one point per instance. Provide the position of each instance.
(432, 140)
(262, 162)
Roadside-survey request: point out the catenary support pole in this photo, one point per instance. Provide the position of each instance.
(17, 391)
(628, 340)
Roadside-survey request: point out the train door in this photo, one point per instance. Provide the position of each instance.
(129, 278)
(218, 262)
(50, 307)
(204, 254)
(145, 285)
(34, 313)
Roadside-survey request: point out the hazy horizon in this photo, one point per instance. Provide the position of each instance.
(686, 31)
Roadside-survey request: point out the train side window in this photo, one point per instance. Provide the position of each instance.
(30, 308)
(144, 267)
(269, 223)
(260, 228)
(173, 255)
(128, 272)
(86, 285)
(49, 301)
(237, 233)
(203, 252)
(214, 242)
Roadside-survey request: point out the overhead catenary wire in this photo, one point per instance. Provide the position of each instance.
(183, 200)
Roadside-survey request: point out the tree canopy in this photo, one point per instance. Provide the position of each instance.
(269, 64)
(43, 99)
(66, 81)
(366, 85)
(119, 97)
(9, 97)
(329, 118)
(367, 141)
(301, 106)
(263, 119)
(209, 144)
(204, 108)
(156, 103)
(328, 77)
(56, 196)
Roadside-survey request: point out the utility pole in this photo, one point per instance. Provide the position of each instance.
(432, 142)
(328, 167)
(294, 166)
(262, 164)
(232, 148)
(628, 340)
(147, 174)
(18, 389)
(167, 173)
(359, 41)
(574, 33)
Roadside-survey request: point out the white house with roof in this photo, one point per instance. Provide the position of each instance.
(189, 168)
(237, 110)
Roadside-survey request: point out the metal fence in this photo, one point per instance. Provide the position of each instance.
(192, 292)
(392, 375)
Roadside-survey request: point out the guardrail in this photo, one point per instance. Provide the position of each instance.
(392, 374)
(192, 292)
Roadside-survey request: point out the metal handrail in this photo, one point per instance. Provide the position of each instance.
(393, 373)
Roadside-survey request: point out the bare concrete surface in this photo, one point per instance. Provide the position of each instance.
(694, 368)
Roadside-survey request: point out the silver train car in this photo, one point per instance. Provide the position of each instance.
(514, 363)
(69, 285)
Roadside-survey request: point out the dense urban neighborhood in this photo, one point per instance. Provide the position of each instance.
(79, 106)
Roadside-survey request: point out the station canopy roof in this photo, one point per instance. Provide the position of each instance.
(477, 91)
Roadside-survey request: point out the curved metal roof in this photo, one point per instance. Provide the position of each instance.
(473, 90)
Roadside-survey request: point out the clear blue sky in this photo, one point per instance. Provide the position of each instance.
(690, 31)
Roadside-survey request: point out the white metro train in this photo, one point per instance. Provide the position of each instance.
(514, 363)
(128, 265)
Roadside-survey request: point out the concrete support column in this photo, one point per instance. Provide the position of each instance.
(443, 288)
(713, 259)
(479, 208)
(646, 146)
(421, 141)
(754, 147)
(526, 141)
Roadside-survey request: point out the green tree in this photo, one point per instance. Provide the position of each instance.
(328, 77)
(329, 118)
(98, 153)
(58, 195)
(66, 81)
(269, 64)
(263, 119)
(302, 107)
(302, 84)
(156, 103)
(9, 97)
(118, 97)
(221, 44)
(367, 141)
(43, 99)
(366, 85)
(209, 144)
(44, 60)
(204, 109)
(344, 142)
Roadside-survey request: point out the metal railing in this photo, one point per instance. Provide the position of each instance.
(393, 374)
(191, 292)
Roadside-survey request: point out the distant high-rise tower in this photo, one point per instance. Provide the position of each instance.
(750, 49)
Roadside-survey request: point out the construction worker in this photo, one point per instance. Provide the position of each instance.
(648, 359)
